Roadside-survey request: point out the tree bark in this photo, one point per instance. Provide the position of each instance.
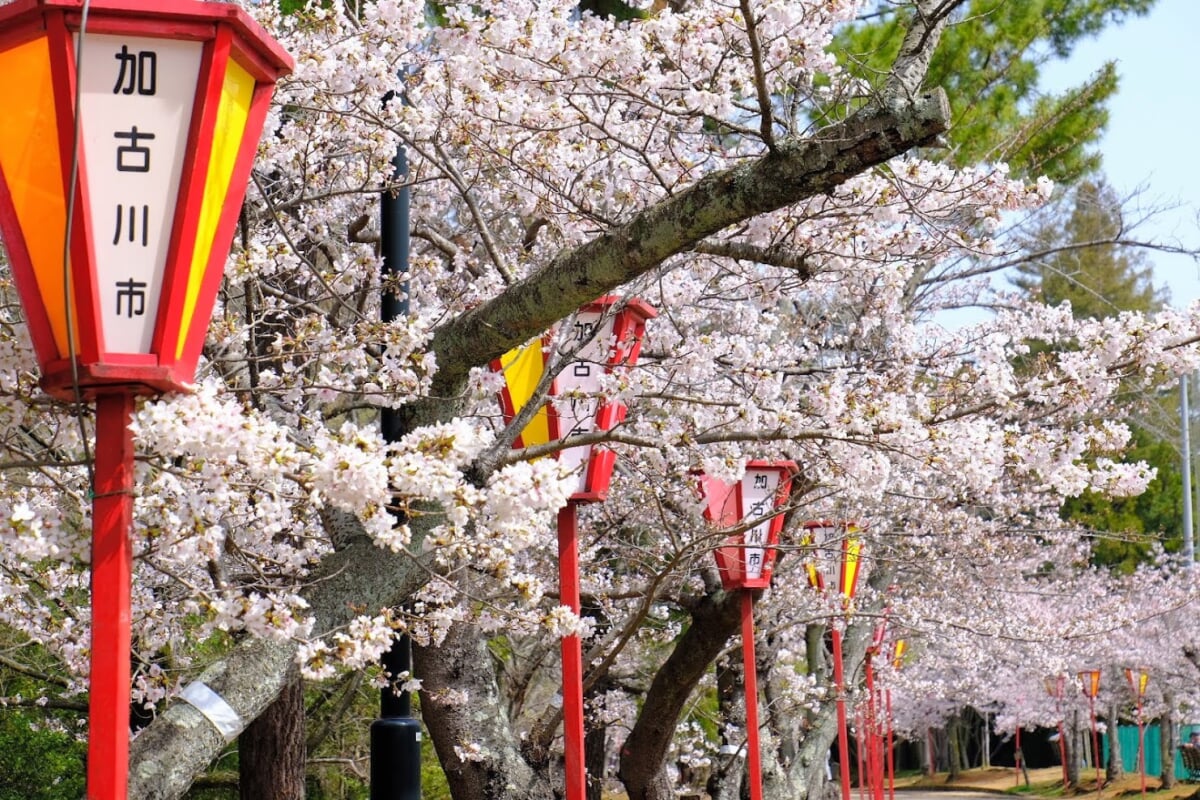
(1074, 751)
(271, 752)
(462, 708)
(725, 781)
(1168, 741)
(1115, 769)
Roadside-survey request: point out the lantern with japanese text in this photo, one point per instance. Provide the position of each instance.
(745, 560)
(126, 142)
(121, 177)
(604, 335)
(824, 538)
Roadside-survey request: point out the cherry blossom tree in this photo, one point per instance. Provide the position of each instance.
(798, 263)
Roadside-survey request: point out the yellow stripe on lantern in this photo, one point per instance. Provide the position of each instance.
(32, 167)
(898, 653)
(232, 113)
(850, 564)
(523, 368)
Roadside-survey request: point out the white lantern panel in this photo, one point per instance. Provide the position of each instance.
(759, 490)
(135, 109)
(578, 383)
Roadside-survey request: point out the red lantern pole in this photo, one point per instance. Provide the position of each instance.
(839, 684)
(860, 750)
(572, 654)
(1137, 682)
(1054, 688)
(112, 561)
(891, 751)
(869, 716)
(750, 668)
(1090, 680)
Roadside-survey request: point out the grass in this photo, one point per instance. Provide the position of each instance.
(1048, 783)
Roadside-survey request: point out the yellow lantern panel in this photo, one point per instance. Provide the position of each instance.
(237, 91)
(523, 368)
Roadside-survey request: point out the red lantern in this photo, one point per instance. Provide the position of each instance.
(745, 560)
(608, 334)
(1089, 682)
(172, 98)
(825, 571)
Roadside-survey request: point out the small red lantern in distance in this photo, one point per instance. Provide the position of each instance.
(608, 333)
(173, 96)
(819, 535)
(1089, 682)
(745, 561)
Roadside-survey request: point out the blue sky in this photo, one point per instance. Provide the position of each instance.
(1152, 141)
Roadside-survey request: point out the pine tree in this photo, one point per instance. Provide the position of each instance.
(989, 61)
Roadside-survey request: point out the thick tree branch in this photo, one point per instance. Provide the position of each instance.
(714, 619)
(797, 170)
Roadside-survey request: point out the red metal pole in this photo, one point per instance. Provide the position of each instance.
(1095, 743)
(572, 655)
(1141, 743)
(750, 669)
(112, 563)
(891, 749)
(876, 790)
(860, 716)
(843, 738)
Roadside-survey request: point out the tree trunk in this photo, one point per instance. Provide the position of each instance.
(957, 732)
(1074, 751)
(1168, 740)
(715, 618)
(1114, 770)
(271, 753)
(725, 782)
(595, 754)
(462, 708)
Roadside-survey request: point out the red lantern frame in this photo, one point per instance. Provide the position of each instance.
(628, 326)
(238, 66)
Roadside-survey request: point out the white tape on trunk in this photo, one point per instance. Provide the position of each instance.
(214, 707)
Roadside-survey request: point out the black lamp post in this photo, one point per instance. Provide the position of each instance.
(396, 735)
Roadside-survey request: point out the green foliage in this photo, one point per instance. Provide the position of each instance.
(1127, 527)
(37, 762)
(612, 8)
(989, 62)
(1075, 260)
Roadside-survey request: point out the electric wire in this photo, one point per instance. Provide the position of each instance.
(68, 297)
